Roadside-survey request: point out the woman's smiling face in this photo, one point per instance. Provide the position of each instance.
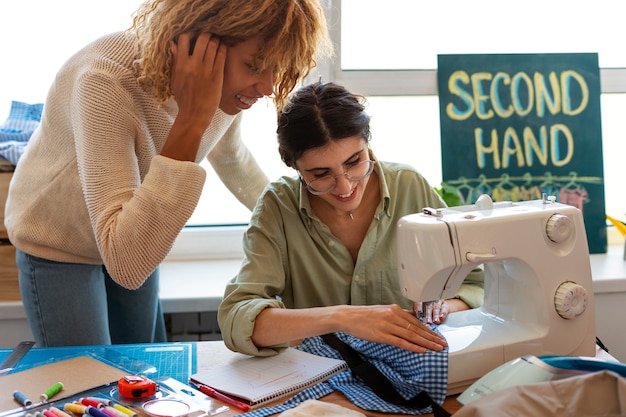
(243, 83)
(334, 159)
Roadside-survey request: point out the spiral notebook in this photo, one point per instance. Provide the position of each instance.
(261, 380)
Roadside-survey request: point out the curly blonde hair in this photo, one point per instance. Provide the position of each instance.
(294, 34)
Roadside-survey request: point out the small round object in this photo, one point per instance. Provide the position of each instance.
(570, 300)
(136, 386)
(559, 228)
(166, 408)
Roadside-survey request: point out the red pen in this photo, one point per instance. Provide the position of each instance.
(223, 397)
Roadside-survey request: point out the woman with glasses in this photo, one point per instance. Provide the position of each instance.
(320, 252)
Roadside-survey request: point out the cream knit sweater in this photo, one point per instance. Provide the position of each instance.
(91, 186)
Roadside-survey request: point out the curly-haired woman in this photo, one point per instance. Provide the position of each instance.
(111, 176)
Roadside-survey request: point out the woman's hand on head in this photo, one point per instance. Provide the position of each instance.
(392, 325)
(198, 74)
(197, 79)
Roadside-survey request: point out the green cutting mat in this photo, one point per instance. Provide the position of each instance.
(154, 360)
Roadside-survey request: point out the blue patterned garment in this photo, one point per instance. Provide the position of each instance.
(408, 372)
(17, 129)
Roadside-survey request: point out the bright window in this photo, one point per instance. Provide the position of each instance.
(387, 51)
(38, 36)
(408, 34)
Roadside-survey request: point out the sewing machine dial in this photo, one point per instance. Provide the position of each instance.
(570, 300)
(559, 228)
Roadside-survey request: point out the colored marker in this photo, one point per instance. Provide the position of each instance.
(111, 410)
(21, 398)
(222, 397)
(95, 412)
(125, 410)
(52, 391)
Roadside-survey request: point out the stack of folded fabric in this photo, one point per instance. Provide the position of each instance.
(15, 132)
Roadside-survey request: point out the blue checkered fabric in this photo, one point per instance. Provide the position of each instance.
(408, 372)
(17, 129)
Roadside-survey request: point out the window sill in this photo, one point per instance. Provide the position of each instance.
(195, 286)
(207, 243)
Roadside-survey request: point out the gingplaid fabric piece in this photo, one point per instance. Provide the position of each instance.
(408, 372)
(15, 132)
(12, 151)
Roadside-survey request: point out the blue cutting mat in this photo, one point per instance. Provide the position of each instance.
(154, 360)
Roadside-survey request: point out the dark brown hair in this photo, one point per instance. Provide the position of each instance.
(315, 115)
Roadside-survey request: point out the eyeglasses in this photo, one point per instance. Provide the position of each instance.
(328, 183)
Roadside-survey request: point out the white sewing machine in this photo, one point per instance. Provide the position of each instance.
(538, 288)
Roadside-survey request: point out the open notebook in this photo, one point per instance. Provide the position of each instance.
(261, 380)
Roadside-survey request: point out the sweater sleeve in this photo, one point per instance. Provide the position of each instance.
(236, 166)
(137, 204)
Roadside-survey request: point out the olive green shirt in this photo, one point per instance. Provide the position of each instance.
(292, 260)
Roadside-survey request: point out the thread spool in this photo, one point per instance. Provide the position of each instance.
(21, 398)
(127, 411)
(96, 412)
(110, 410)
(92, 402)
(103, 401)
(48, 413)
(58, 412)
(52, 391)
(75, 408)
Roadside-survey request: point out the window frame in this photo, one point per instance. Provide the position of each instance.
(411, 82)
(219, 242)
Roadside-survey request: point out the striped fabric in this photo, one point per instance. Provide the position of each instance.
(17, 129)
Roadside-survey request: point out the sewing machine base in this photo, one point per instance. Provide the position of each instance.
(476, 345)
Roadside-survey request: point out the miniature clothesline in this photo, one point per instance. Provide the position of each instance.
(567, 189)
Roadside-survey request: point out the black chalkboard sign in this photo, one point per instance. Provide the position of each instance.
(516, 126)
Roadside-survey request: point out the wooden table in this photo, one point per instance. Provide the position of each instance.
(214, 354)
(450, 405)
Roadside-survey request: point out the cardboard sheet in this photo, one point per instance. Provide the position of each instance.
(77, 375)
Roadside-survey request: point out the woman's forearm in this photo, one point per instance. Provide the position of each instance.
(275, 326)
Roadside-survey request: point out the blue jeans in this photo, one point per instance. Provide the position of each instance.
(77, 304)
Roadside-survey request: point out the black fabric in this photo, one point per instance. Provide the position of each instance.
(377, 381)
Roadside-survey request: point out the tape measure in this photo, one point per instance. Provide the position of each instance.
(136, 386)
